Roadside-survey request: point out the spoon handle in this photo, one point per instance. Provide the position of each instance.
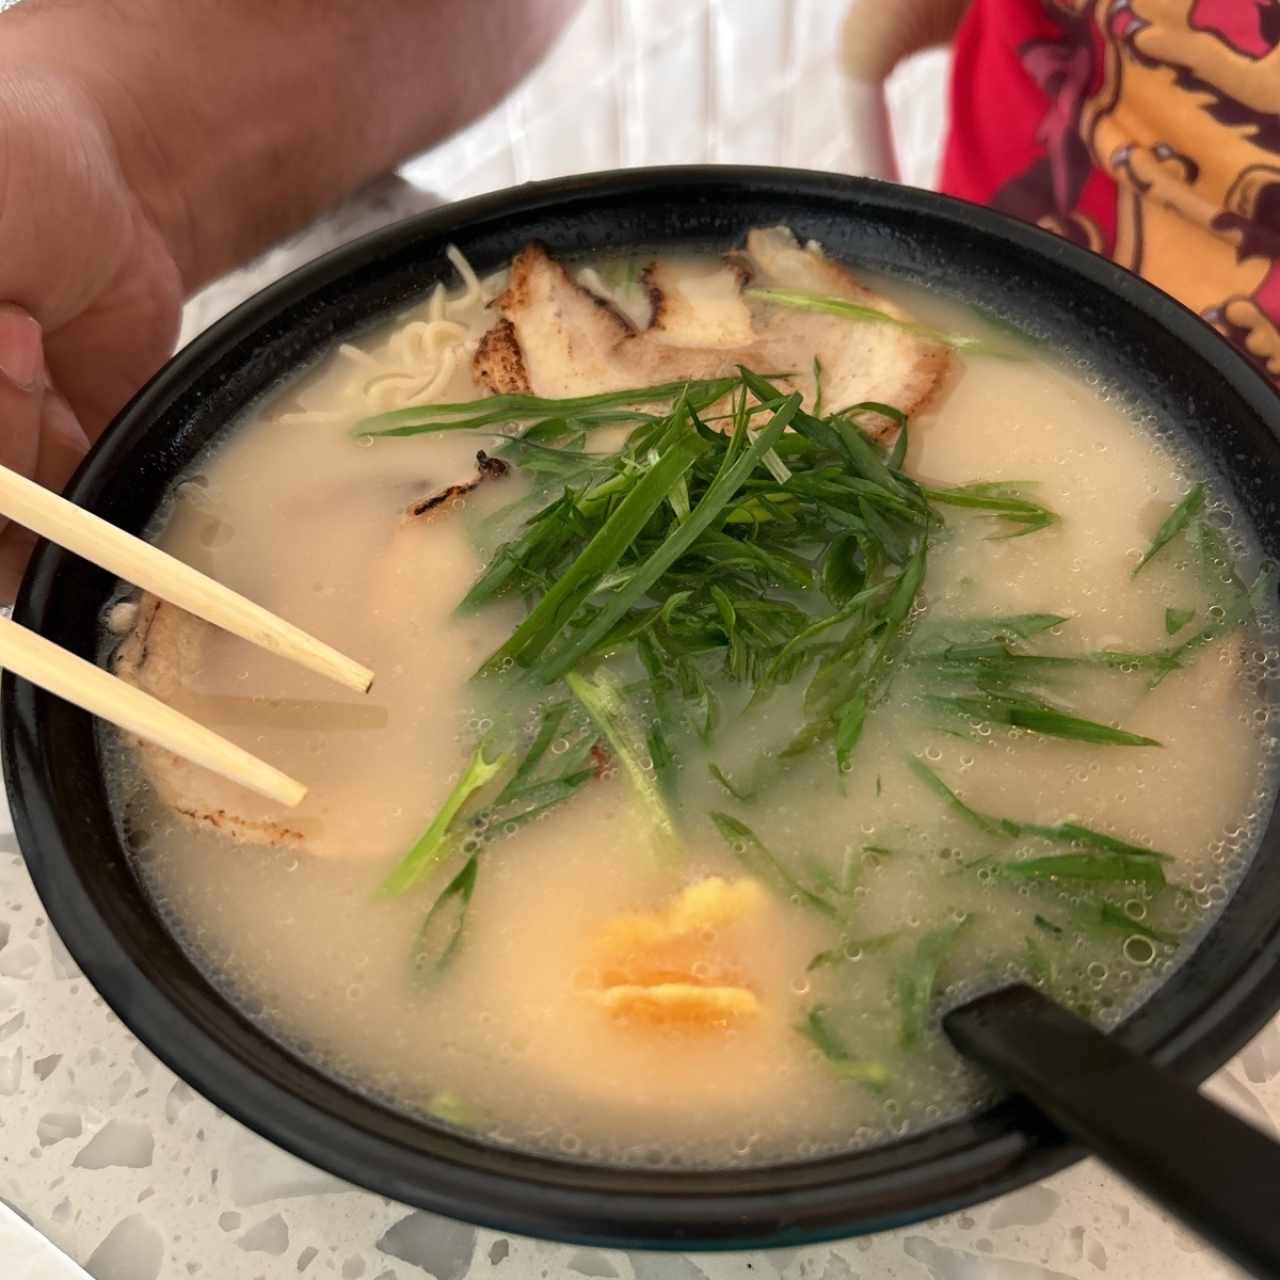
(1216, 1173)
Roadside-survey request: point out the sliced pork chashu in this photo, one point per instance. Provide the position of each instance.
(162, 655)
(165, 654)
(861, 360)
(555, 338)
(698, 308)
(169, 654)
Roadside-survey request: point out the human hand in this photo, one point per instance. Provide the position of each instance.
(877, 36)
(146, 149)
(90, 296)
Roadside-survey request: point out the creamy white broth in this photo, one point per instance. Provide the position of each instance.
(295, 512)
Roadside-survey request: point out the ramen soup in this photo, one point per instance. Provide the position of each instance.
(764, 661)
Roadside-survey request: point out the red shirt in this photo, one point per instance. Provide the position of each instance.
(1146, 130)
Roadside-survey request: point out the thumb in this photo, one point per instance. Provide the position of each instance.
(22, 395)
(22, 384)
(39, 435)
(62, 443)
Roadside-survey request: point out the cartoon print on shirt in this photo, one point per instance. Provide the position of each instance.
(1188, 90)
(1146, 130)
(1252, 218)
(1048, 192)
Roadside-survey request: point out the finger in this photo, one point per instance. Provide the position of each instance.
(101, 357)
(22, 381)
(16, 544)
(22, 397)
(39, 434)
(62, 445)
(877, 36)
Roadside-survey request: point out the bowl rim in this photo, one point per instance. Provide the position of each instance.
(802, 1202)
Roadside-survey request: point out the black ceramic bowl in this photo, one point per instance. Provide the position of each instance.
(1170, 360)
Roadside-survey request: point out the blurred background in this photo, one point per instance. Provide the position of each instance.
(646, 82)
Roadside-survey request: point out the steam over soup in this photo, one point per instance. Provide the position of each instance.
(725, 726)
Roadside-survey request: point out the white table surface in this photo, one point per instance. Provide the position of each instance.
(137, 1178)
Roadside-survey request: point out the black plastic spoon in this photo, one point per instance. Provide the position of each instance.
(1217, 1174)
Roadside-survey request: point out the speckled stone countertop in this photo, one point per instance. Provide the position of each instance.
(138, 1178)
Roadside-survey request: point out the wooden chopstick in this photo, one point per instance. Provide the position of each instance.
(34, 658)
(138, 562)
